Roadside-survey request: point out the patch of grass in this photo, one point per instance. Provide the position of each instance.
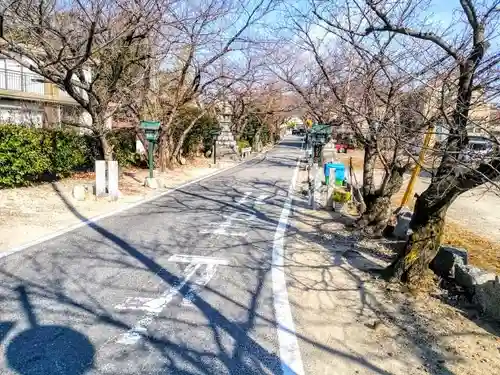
(483, 253)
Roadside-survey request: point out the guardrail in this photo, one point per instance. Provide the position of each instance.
(20, 81)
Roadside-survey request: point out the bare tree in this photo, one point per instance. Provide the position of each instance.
(466, 50)
(357, 82)
(199, 49)
(96, 51)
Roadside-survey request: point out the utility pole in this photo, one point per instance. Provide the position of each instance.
(418, 167)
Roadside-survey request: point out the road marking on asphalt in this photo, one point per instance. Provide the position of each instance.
(244, 198)
(181, 258)
(154, 306)
(97, 218)
(222, 229)
(200, 283)
(260, 199)
(241, 216)
(291, 361)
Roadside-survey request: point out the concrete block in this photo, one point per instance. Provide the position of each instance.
(487, 297)
(153, 183)
(79, 192)
(447, 259)
(100, 178)
(321, 197)
(403, 224)
(113, 191)
(469, 277)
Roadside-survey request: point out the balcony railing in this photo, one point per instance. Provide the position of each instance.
(25, 82)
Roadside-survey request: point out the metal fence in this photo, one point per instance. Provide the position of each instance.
(20, 81)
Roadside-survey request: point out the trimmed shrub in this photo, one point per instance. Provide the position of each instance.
(124, 143)
(30, 155)
(67, 152)
(23, 156)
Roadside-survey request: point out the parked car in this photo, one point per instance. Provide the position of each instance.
(344, 144)
(477, 150)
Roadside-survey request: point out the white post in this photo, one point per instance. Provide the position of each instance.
(100, 178)
(330, 189)
(314, 186)
(113, 179)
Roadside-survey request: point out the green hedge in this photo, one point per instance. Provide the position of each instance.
(123, 142)
(29, 155)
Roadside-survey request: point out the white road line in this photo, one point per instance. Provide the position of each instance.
(153, 308)
(260, 199)
(223, 232)
(181, 258)
(291, 361)
(133, 303)
(243, 198)
(241, 216)
(222, 227)
(205, 278)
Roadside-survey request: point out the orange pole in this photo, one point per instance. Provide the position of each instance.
(416, 170)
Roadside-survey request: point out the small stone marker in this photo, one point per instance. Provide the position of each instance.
(100, 178)
(79, 192)
(154, 183)
(113, 180)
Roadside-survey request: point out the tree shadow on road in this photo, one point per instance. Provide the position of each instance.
(78, 298)
(332, 265)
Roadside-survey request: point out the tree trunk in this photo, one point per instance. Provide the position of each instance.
(427, 226)
(164, 151)
(165, 145)
(107, 149)
(257, 144)
(368, 169)
(377, 210)
(374, 220)
(185, 132)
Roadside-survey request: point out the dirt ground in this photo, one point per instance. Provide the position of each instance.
(350, 322)
(472, 221)
(28, 214)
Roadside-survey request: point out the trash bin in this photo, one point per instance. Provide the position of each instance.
(327, 173)
(339, 172)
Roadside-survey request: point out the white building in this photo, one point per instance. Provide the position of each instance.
(27, 98)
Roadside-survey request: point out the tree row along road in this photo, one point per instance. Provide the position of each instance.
(179, 285)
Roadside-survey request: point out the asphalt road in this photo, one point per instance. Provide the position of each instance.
(179, 285)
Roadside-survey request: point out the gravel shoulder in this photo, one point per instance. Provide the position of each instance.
(30, 213)
(349, 322)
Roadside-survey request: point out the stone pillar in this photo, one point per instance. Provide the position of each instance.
(100, 178)
(113, 179)
(329, 153)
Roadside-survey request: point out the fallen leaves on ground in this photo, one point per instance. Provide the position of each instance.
(83, 176)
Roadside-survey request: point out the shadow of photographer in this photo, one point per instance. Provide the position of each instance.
(48, 349)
